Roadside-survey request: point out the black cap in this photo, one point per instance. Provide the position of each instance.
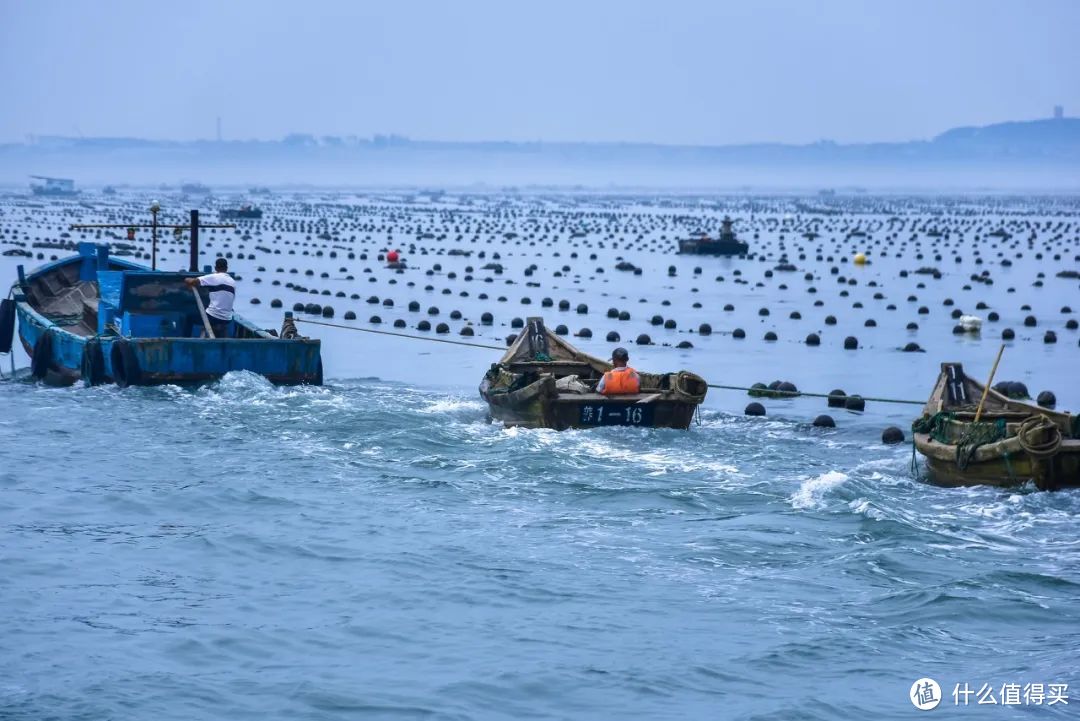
(620, 354)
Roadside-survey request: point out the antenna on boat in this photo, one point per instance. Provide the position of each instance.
(193, 248)
(155, 208)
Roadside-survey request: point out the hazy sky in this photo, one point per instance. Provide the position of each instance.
(667, 71)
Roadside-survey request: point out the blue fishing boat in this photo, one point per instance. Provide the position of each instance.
(104, 319)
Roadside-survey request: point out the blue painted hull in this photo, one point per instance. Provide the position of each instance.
(64, 356)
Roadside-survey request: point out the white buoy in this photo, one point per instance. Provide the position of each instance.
(971, 323)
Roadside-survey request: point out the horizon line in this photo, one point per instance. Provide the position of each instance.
(32, 139)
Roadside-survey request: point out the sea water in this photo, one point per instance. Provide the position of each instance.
(375, 548)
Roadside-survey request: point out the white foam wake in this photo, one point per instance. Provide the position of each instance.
(812, 491)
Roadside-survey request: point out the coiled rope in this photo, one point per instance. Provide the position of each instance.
(1031, 428)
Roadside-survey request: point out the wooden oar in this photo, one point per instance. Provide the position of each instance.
(989, 382)
(206, 321)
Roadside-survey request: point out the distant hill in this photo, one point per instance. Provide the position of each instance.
(1048, 139)
(1038, 153)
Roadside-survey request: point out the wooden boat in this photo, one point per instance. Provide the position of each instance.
(726, 244)
(544, 382)
(102, 319)
(1013, 442)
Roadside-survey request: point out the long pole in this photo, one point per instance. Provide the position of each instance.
(202, 312)
(989, 382)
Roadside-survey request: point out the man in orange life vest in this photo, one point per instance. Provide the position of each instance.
(620, 379)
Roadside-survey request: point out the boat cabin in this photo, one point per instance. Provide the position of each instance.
(102, 296)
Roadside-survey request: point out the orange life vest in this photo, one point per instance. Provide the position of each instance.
(621, 380)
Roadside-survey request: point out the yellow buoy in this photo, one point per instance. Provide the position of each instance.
(860, 259)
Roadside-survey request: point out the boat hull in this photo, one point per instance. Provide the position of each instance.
(159, 361)
(1048, 474)
(713, 247)
(540, 405)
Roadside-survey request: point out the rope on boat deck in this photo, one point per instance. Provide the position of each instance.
(775, 394)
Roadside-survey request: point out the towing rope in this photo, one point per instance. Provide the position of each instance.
(400, 335)
(795, 394)
(776, 394)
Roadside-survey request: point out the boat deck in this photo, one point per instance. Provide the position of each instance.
(73, 308)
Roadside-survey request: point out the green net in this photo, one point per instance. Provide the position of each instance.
(972, 435)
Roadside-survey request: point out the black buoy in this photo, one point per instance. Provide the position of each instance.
(824, 421)
(644, 339)
(613, 337)
(755, 409)
(813, 339)
(854, 403)
(892, 435)
(851, 343)
(738, 333)
(837, 398)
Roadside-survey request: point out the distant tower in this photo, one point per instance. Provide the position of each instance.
(219, 128)
(1059, 112)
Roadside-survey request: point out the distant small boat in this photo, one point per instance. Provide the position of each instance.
(726, 244)
(54, 187)
(244, 212)
(101, 319)
(1013, 442)
(544, 382)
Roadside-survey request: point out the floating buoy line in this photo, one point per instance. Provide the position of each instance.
(769, 393)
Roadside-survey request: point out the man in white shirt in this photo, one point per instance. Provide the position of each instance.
(222, 289)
